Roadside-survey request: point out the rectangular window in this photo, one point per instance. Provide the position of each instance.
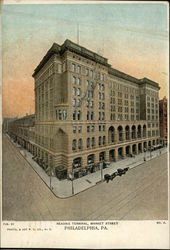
(88, 128)
(79, 81)
(91, 73)
(73, 67)
(92, 128)
(74, 80)
(74, 129)
(78, 92)
(79, 69)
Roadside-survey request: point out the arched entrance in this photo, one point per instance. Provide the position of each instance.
(134, 149)
(90, 159)
(102, 156)
(112, 155)
(140, 147)
(127, 150)
(77, 162)
(111, 134)
(145, 146)
(120, 153)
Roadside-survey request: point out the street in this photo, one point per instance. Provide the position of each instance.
(141, 194)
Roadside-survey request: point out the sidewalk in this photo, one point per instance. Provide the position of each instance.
(63, 189)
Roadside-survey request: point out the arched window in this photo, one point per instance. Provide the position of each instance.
(93, 142)
(79, 115)
(88, 115)
(80, 144)
(74, 102)
(60, 114)
(74, 91)
(78, 103)
(64, 114)
(100, 140)
(74, 145)
(74, 115)
(88, 142)
(78, 91)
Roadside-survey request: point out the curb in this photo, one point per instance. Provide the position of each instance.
(70, 196)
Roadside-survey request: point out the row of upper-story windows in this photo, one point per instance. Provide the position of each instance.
(118, 86)
(101, 116)
(76, 68)
(101, 96)
(76, 102)
(88, 72)
(90, 142)
(101, 87)
(77, 115)
(120, 101)
(77, 128)
(152, 117)
(74, 144)
(101, 105)
(120, 109)
(90, 115)
(121, 117)
(153, 111)
(61, 114)
(154, 132)
(89, 104)
(76, 91)
(76, 80)
(90, 128)
(153, 124)
(89, 84)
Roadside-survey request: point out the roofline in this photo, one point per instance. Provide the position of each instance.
(80, 50)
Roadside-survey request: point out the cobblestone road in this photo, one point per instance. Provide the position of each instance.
(140, 194)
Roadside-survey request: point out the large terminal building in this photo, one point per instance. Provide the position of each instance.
(87, 112)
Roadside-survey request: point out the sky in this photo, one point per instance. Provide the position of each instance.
(134, 38)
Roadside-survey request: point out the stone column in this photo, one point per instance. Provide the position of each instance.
(123, 152)
(107, 155)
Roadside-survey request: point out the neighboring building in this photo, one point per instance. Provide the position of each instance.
(5, 123)
(163, 120)
(87, 112)
(22, 131)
